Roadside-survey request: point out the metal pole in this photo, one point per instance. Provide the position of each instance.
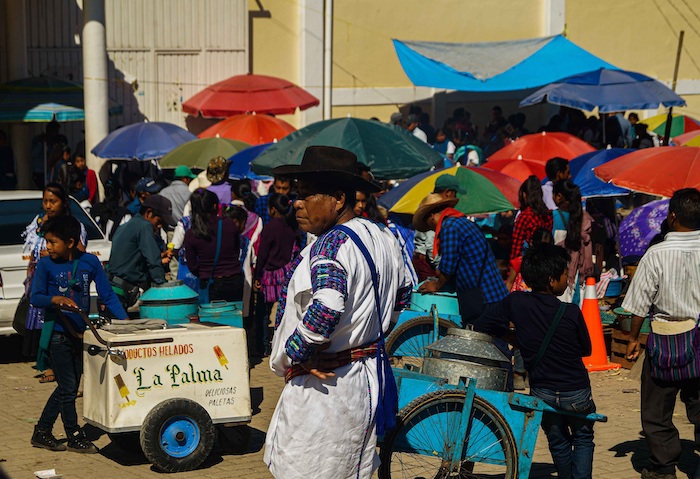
(669, 118)
(328, 60)
(95, 81)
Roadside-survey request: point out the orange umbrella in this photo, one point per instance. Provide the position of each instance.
(519, 168)
(655, 171)
(253, 129)
(542, 146)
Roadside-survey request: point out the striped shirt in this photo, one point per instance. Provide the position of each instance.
(667, 278)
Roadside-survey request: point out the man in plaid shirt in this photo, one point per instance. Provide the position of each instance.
(466, 259)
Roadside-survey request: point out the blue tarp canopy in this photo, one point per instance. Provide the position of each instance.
(494, 66)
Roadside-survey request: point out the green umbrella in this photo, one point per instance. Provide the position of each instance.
(197, 153)
(389, 151)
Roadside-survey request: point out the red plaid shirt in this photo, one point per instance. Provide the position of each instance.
(526, 224)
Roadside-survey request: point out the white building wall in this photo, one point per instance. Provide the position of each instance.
(168, 49)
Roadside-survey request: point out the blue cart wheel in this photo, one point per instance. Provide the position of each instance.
(177, 435)
(426, 431)
(409, 339)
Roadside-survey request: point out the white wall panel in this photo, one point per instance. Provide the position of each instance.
(175, 72)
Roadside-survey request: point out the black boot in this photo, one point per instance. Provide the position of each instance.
(77, 442)
(45, 440)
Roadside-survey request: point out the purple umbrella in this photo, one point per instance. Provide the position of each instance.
(640, 226)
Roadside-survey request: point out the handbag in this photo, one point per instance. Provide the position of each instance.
(471, 300)
(204, 285)
(19, 323)
(673, 357)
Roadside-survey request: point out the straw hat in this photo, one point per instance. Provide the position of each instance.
(430, 204)
(217, 169)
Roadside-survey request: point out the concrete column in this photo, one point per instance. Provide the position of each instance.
(310, 56)
(554, 20)
(20, 133)
(95, 81)
(328, 61)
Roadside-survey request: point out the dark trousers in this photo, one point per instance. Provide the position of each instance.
(229, 288)
(570, 438)
(66, 359)
(658, 402)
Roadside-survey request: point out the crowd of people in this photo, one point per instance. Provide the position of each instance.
(322, 269)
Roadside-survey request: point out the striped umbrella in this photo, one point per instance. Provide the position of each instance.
(692, 138)
(483, 191)
(44, 99)
(679, 124)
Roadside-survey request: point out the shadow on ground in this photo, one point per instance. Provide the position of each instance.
(639, 455)
(11, 350)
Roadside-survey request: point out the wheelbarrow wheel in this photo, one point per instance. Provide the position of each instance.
(177, 435)
(409, 339)
(426, 429)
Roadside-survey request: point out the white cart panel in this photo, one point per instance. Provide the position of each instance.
(208, 365)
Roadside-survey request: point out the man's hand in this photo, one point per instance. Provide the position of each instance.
(257, 285)
(428, 287)
(321, 364)
(166, 256)
(63, 302)
(632, 349)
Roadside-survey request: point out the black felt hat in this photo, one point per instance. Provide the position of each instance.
(326, 163)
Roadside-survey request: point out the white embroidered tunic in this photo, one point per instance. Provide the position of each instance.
(325, 428)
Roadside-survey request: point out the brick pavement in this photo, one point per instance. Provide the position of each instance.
(620, 451)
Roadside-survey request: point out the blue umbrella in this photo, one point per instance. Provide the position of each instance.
(142, 141)
(609, 90)
(640, 226)
(589, 184)
(240, 163)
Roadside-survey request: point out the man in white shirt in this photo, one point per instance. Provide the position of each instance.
(666, 283)
(412, 123)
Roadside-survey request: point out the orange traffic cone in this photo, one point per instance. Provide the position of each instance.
(598, 360)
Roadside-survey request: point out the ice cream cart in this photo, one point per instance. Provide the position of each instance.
(172, 386)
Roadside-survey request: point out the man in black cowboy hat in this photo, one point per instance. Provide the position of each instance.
(339, 300)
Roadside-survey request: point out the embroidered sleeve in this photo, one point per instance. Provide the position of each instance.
(329, 286)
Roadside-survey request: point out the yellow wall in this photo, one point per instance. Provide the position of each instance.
(364, 56)
(640, 36)
(632, 34)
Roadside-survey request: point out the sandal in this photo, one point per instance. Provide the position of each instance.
(47, 377)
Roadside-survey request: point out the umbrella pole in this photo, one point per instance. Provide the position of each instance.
(603, 119)
(669, 118)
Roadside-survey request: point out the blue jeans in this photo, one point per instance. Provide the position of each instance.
(66, 359)
(570, 438)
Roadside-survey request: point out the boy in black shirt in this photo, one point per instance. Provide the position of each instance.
(559, 377)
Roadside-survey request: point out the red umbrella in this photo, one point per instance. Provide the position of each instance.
(543, 146)
(249, 93)
(253, 129)
(655, 171)
(519, 168)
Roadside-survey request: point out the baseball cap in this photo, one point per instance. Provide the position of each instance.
(184, 172)
(162, 207)
(396, 118)
(148, 185)
(448, 182)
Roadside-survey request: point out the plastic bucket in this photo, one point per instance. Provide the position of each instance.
(222, 312)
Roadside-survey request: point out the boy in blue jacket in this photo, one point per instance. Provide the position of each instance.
(63, 279)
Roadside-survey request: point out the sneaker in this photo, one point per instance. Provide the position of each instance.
(46, 440)
(646, 474)
(77, 442)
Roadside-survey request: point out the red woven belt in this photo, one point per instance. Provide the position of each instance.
(343, 357)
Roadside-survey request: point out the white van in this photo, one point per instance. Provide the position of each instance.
(17, 210)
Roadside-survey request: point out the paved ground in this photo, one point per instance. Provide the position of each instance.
(620, 451)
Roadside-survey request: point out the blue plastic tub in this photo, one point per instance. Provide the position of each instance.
(614, 288)
(172, 301)
(222, 312)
